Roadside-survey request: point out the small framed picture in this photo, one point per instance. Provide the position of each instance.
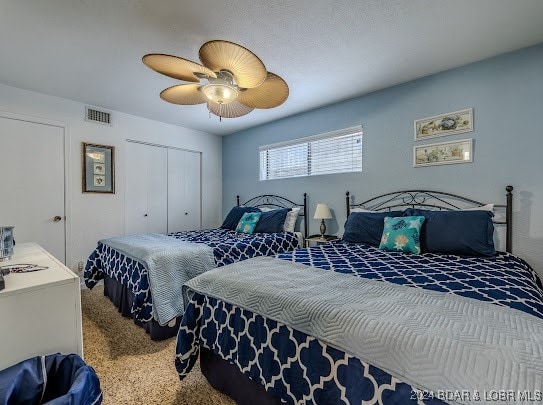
(99, 181)
(443, 153)
(455, 122)
(99, 157)
(98, 168)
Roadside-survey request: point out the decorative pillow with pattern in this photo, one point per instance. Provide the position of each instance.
(248, 221)
(402, 234)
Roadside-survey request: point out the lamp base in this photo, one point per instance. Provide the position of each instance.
(323, 230)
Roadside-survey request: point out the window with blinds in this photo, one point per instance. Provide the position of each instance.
(333, 152)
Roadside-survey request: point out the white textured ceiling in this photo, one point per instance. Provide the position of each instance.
(326, 50)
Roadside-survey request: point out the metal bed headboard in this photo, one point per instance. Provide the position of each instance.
(276, 201)
(435, 200)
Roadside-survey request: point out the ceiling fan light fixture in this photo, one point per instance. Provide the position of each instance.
(238, 80)
(220, 93)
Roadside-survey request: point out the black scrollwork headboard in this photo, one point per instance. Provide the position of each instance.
(276, 201)
(436, 200)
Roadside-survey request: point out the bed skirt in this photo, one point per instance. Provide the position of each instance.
(122, 298)
(227, 378)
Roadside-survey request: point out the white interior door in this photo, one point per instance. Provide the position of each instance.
(146, 197)
(32, 170)
(184, 190)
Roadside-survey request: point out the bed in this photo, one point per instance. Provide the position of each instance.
(429, 328)
(124, 263)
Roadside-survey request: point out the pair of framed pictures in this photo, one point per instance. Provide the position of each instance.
(98, 168)
(452, 123)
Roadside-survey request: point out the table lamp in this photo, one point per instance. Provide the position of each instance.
(322, 212)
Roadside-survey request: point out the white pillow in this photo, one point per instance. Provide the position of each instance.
(360, 210)
(290, 220)
(487, 207)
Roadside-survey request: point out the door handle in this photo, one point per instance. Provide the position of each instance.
(57, 219)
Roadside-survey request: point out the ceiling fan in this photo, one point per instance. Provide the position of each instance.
(237, 80)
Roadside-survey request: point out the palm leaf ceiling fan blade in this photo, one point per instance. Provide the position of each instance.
(232, 110)
(245, 66)
(176, 67)
(272, 93)
(185, 94)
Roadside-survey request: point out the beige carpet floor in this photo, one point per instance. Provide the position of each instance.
(132, 368)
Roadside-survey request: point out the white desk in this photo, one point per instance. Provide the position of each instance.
(40, 312)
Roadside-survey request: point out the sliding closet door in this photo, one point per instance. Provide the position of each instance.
(184, 190)
(136, 192)
(193, 190)
(157, 190)
(146, 201)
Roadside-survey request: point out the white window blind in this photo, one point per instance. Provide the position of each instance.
(333, 152)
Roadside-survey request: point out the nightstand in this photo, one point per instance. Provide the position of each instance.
(41, 310)
(314, 240)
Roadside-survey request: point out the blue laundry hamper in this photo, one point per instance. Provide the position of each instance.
(54, 380)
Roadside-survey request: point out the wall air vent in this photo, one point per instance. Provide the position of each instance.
(94, 115)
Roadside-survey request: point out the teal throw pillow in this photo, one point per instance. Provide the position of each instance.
(248, 221)
(402, 234)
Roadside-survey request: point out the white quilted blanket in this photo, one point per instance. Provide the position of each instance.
(169, 263)
(431, 340)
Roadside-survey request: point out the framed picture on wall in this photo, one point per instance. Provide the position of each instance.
(455, 122)
(443, 153)
(98, 168)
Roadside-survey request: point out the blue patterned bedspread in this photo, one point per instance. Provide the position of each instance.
(301, 369)
(228, 247)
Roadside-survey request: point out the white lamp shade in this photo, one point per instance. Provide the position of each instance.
(322, 212)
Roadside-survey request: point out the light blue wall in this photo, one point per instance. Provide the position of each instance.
(506, 94)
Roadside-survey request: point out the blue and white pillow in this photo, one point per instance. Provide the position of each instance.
(402, 234)
(248, 221)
